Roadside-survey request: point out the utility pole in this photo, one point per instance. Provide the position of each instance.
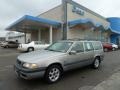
(65, 18)
(65, 23)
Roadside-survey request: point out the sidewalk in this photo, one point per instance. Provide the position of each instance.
(112, 83)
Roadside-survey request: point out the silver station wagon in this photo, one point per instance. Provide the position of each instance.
(61, 56)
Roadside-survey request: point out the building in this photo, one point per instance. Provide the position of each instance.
(70, 20)
(115, 28)
(15, 36)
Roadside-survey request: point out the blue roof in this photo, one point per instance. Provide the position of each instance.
(114, 24)
(83, 21)
(36, 19)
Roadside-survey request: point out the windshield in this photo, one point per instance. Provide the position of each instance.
(60, 46)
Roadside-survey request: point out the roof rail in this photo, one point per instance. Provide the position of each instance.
(78, 39)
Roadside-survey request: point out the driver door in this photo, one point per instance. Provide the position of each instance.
(75, 59)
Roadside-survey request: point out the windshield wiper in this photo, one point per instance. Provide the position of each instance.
(53, 50)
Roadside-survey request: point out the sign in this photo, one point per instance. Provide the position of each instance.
(78, 10)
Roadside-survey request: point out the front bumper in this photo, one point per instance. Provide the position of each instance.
(29, 74)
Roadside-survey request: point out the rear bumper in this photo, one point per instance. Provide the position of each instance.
(29, 74)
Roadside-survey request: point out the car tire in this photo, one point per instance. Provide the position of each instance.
(6, 46)
(30, 49)
(114, 49)
(53, 74)
(105, 50)
(96, 63)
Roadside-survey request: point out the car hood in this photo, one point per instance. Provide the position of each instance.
(36, 56)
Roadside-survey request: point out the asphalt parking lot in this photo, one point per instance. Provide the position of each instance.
(72, 80)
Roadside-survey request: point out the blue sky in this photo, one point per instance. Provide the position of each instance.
(11, 10)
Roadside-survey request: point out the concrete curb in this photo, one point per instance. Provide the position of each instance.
(112, 83)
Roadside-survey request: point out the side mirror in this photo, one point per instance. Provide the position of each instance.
(72, 52)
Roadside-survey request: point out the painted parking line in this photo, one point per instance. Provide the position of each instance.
(5, 68)
(86, 88)
(2, 70)
(4, 55)
(9, 66)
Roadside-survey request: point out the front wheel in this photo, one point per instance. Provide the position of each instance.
(96, 63)
(53, 73)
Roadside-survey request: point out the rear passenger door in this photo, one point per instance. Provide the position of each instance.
(89, 52)
(10, 44)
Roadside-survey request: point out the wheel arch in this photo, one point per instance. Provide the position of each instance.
(56, 63)
(98, 56)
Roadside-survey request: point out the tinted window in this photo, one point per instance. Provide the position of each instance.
(78, 47)
(97, 45)
(88, 46)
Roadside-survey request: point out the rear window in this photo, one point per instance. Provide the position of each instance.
(97, 45)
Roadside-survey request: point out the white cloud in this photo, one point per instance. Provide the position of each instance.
(11, 10)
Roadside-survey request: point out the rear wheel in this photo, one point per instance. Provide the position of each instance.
(105, 50)
(53, 73)
(30, 49)
(114, 49)
(96, 63)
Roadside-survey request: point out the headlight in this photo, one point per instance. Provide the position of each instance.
(30, 65)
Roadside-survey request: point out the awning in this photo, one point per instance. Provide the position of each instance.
(34, 22)
(114, 24)
(84, 21)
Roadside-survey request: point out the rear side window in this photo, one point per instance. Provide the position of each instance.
(37, 42)
(78, 47)
(11, 42)
(97, 45)
(88, 46)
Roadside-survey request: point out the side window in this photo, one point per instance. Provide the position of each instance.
(88, 46)
(78, 47)
(36, 43)
(11, 42)
(39, 42)
(97, 45)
